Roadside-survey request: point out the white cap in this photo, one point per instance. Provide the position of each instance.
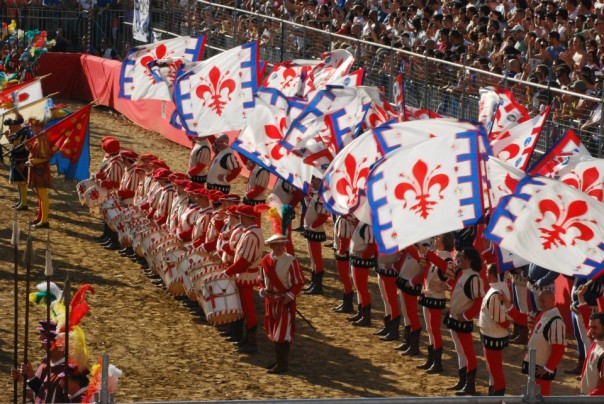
(276, 238)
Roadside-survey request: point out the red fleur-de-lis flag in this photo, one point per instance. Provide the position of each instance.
(217, 95)
(288, 77)
(426, 189)
(584, 173)
(515, 145)
(260, 140)
(149, 71)
(559, 154)
(343, 188)
(68, 135)
(499, 111)
(552, 225)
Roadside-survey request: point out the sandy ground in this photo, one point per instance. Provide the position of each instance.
(166, 352)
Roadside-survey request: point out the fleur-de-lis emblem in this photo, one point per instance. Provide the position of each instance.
(217, 87)
(354, 180)
(510, 184)
(94, 194)
(275, 133)
(588, 182)
(565, 219)
(420, 185)
(288, 78)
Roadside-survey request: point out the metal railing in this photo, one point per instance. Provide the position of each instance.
(448, 88)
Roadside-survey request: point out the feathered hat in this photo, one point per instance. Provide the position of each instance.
(279, 215)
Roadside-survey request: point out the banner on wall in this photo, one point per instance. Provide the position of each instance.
(140, 25)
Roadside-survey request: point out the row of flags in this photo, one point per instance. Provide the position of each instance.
(67, 132)
(410, 173)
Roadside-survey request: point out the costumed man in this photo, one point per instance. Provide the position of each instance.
(592, 376)
(41, 387)
(388, 267)
(288, 195)
(199, 160)
(160, 210)
(433, 298)
(342, 233)
(220, 222)
(16, 135)
(314, 233)
(548, 338)
(538, 280)
(39, 171)
(112, 162)
(520, 299)
(257, 184)
(466, 299)
(493, 322)
(244, 268)
(592, 292)
(281, 280)
(224, 168)
(362, 258)
(200, 228)
(410, 280)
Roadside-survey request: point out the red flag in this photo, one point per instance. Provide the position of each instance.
(68, 135)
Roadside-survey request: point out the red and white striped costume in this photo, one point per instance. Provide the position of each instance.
(180, 203)
(228, 247)
(161, 210)
(388, 267)
(549, 340)
(362, 258)
(215, 228)
(186, 222)
(280, 276)
(410, 282)
(112, 174)
(433, 298)
(224, 168)
(342, 233)
(199, 160)
(201, 226)
(314, 231)
(592, 376)
(256, 186)
(130, 182)
(494, 322)
(244, 268)
(466, 300)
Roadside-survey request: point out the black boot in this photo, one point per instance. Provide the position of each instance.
(577, 369)
(405, 345)
(114, 243)
(365, 320)
(437, 365)
(429, 361)
(317, 288)
(393, 332)
(346, 306)
(470, 387)
(250, 344)
(522, 337)
(126, 252)
(312, 282)
(413, 343)
(235, 331)
(499, 392)
(356, 316)
(383, 331)
(103, 237)
(282, 351)
(462, 380)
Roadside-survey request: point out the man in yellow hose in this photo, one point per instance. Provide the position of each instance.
(39, 171)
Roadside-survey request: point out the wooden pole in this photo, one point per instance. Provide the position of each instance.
(67, 301)
(28, 257)
(15, 242)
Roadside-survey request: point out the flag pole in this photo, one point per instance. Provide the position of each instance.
(28, 257)
(67, 301)
(48, 270)
(15, 243)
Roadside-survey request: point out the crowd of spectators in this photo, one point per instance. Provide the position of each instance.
(556, 43)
